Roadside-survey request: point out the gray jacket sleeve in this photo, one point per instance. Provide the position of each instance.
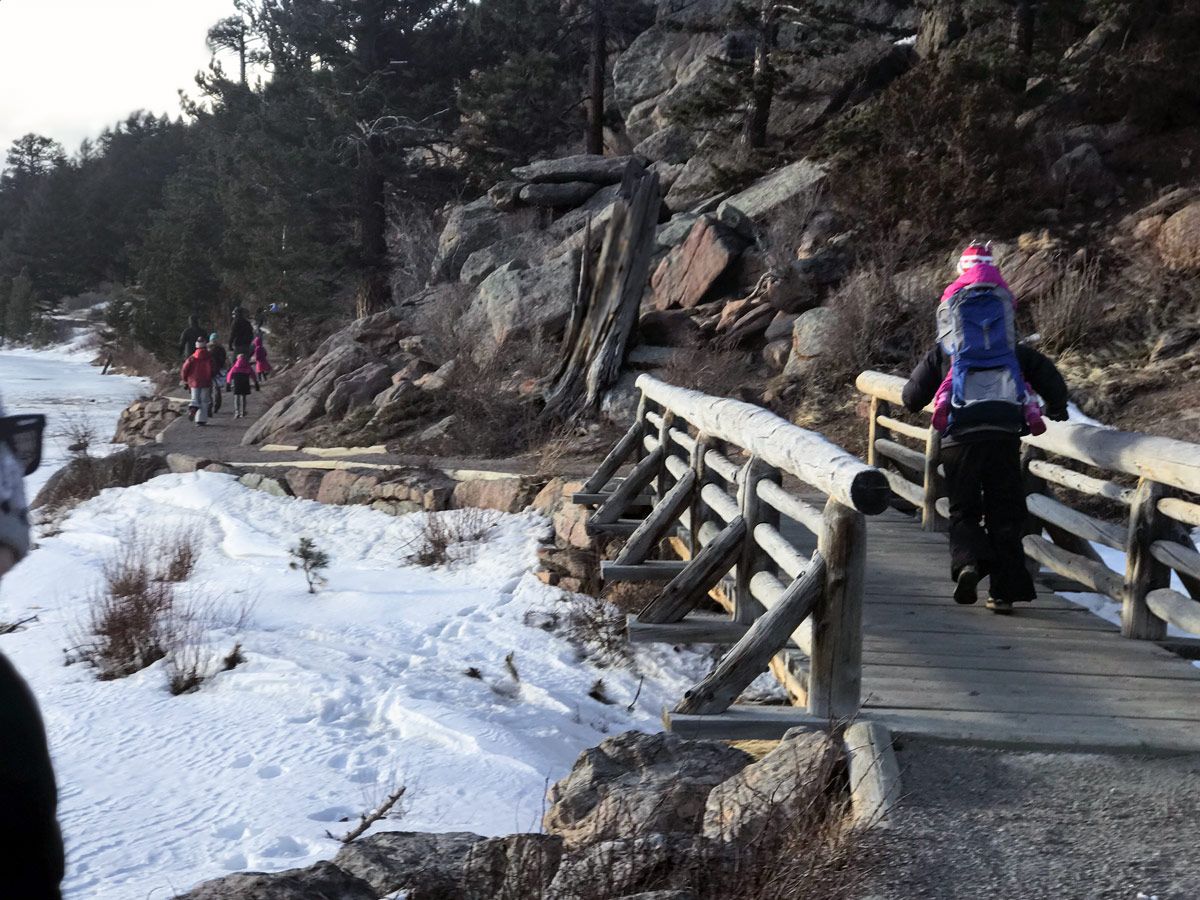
(14, 511)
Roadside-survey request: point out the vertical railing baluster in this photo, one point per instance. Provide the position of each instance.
(1143, 573)
(753, 559)
(835, 669)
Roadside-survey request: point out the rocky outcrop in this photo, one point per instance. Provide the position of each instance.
(810, 340)
(557, 195)
(688, 271)
(1178, 239)
(306, 403)
(516, 867)
(142, 422)
(599, 170)
(801, 182)
(424, 866)
(646, 863)
(503, 494)
(514, 301)
(773, 792)
(357, 388)
(638, 783)
(468, 228)
(324, 881)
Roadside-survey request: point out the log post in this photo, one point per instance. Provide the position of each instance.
(639, 449)
(699, 510)
(753, 559)
(874, 429)
(930, 521)
(663, 483)
(1143, 573)
(835, 675)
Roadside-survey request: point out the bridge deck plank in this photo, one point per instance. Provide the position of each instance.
(1050, 675)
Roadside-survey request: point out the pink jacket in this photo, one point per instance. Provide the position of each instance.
(240, 367)
(981, 274)
(260, 357)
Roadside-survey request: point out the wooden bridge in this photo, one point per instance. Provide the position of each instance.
(832, 573)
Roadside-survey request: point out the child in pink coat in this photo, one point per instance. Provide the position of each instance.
(261, 366)
(977, 266)
(239, 378)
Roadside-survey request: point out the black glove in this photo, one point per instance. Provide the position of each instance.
(228, 388)
(256, 387)
(1058, 415)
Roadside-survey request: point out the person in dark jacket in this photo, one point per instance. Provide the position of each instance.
(241, 333)
(191, 334)
(983, 479)
(31, 844)
(219, 360)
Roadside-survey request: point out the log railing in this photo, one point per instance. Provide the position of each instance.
(738, 531)
(1149, 523)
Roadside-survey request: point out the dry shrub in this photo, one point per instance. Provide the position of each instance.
(595, 627)
(1070, 314)
(450, 536)
(86, 476)
(412, 244)
(631, 597)
(722, 373)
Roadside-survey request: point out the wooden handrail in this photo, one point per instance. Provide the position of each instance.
(808, 456)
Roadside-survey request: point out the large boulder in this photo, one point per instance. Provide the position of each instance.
(773, 792)
(558, 195)
(584, 167)
(1179, 239)
(306, 402)
(801, 182)
(504, 494)
(672, 144)
(514, 301)
(695, 183)
(1082, 173)
(425, 866)
(646, 863)
(324, 881)
(357, 388)
(468, 228)
(811, 335)
(637, 783)
(516, 867)
(657, 61)
(688, 271)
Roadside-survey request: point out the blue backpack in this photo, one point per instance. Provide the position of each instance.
(976, 329)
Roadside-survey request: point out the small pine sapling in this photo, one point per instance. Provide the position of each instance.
(310, 560)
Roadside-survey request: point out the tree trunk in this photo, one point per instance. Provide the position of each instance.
(373, 290)
(762, 89)
(1023, 28)
(597, 74)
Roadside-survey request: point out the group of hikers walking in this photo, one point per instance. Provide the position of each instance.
(206, 371)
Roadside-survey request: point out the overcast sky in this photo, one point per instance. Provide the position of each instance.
(70, 67)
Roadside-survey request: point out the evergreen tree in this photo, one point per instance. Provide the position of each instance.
(19, 311)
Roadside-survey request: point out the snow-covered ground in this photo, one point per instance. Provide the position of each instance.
(344, 695)
(64, 385)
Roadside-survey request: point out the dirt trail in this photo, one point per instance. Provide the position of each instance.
(1010, 825)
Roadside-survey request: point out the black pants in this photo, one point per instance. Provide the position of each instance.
(987, 514)
(31, 848)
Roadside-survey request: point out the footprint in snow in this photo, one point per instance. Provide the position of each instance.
(242, 762)
(271, 771)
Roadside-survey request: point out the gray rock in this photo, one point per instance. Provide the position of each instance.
(306, 402)
(661, 895)
(357, 388)
(688, 271)
(584, 167)
(651, 862)
(668, 173)
(265, 483)
(695, 14)
(513, 301)
(324, 881)
(941, 25)
(773, 792)
(437, 430)
(672, 144)
(427, 866)
(505, 195)
(436, 380)
(516, 867)
(659, 60)
(598, 209)
(528, 248)
(83, 477)
(304, 483)
(558, 195)
(796, 182)
(393, 393)
(620, 402)
(696, 182)
(468, 228)
(637, 783)
(675, 231)
(780, 327)
(1082, 172)
(182, 462)
(810, 339)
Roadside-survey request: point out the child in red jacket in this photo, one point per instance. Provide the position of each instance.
(197, 374)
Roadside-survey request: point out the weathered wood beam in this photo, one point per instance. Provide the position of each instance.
(616, 456)
(904, 488)
(778, 547)
(701, 575)
(694, 629)
(1096, 576)
(650, 570)
(1079, 524)
(874, 774)
(793, 507)
(719, 502)
(913, 460)
(661, 520)
(753, 558)
(641, 476)
(1143, 573)
(916, 432)
(1077, 481)
(1171, 606)
(1180, 510)
(748, 659)
(835, 676)
(931, 487)
(810, 457)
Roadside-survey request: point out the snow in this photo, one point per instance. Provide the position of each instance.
(344, 695)
(62, 383)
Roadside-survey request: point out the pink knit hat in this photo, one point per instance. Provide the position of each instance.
(976, 254)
